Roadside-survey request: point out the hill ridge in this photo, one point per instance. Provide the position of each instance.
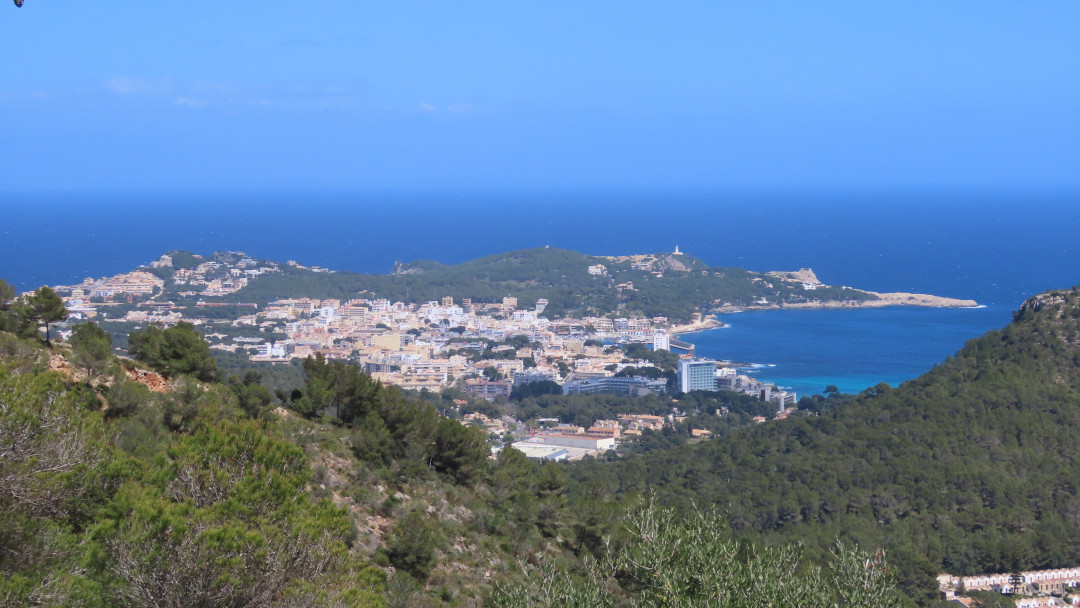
(664, 284)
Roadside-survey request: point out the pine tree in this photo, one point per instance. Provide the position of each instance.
(91, 348)
(1016, 581)
(45, 307)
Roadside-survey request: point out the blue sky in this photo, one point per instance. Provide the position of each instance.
(234, 95)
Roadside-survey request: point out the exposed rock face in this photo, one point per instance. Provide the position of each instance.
(881, 299)
(1043, 300)
(151, 380)
(673, 263)
(806, 275)
(58, 363)
(920, 299)
(655, 262)
(802, 275)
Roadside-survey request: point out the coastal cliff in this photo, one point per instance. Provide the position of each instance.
(708, 322)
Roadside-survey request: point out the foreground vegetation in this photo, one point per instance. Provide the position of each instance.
(970, 468)
(163, 481)
(201, 492)
(670, 561)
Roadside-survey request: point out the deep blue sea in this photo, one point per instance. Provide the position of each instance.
(997, 248)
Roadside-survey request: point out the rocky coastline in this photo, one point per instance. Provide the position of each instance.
(810, 281)
(707, 322)
(882, 300)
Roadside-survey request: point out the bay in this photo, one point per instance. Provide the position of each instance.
(995, 247)
(808, 350)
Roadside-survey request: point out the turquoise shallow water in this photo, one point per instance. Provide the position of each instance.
(807, 350)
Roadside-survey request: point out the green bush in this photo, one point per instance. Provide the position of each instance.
(411, 547)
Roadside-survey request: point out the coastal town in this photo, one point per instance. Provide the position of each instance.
(532, 305)
(485, 349)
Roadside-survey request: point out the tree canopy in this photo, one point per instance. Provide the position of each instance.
(219, 514)
(91, 347)
(44, 307)
(178, 350)
(388, 428)
(966, 469)
(682, 287)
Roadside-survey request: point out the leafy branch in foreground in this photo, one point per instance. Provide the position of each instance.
(675, 562)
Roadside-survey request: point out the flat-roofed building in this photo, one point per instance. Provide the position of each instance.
(488, 390)
(697, 375)
(586, 441)
(540, 451)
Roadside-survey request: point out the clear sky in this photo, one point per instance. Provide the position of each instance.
(347, 94)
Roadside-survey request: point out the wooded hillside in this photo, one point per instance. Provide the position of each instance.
(972, 467)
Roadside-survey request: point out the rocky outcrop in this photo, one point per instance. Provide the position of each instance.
(919, 299)
(1043, 301)
(881, 300)
(709, 322)
(807, 276)
(401, 268)
(58, 363)
(151, 380)
(802, 275)
(675, 263)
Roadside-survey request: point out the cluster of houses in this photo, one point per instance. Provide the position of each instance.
(83, 299)
(433, 344)
(1029, 589)
(429, 345)
(206, 279)
(213, 278)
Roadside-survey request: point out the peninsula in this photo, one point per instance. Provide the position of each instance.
(809, 281)
(672, 285)
(539, 312)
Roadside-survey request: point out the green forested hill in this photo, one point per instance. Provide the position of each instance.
(975, 466)
(687, 285)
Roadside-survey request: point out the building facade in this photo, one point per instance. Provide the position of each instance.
(697, 375)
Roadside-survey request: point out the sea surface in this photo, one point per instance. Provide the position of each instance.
(808, 350)
(994, 247)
